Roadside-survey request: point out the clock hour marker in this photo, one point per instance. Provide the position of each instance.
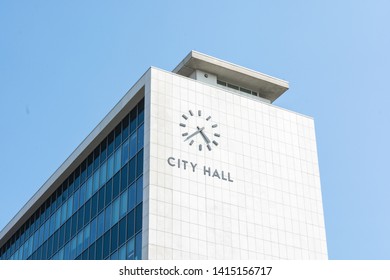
(215, 143)
(192, 142)
(184, 117)
(200, 147)
(191, 113)
(217, 135)
(182, 124)
(214, 125)
(208, 118)
(184, 134)
(208, 147)
(199, 113)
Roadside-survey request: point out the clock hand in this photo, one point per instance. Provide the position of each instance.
(204, 137)
(195, 133)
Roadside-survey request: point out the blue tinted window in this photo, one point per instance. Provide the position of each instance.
(130, 224)
(130, 249)
(133, 120)
(132, 196)
(106, 244)
(125, 152)
(140, 141)
(110, 140)
(140, 162)
(132, 170)
(139, 189)
(125, 127)
(107, 218)
(133, 144)
(138, 217)
(114, 238)
(141, 107)
(138, 246)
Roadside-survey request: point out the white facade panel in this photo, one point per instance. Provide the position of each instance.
(264, 200)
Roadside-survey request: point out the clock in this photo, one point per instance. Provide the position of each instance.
(199, 130)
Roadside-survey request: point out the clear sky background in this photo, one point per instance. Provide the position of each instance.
(65, 64)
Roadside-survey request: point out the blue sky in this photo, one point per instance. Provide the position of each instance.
(65, 64)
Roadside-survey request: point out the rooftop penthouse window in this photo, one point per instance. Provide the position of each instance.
(235, 87)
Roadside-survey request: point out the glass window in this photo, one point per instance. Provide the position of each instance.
(110, 167)
(133, 120)
(73, 228)
(103, 150)
(96, 160)
(138, 218)
(106, 244)
(122, 253)
(125, 152)
(60, 254)
(83, 189)
(124, 174)
(114, 237)
(110, 140)
(140, 162)
(114, 256)
(94, 202)
(91, 253)
(115, 211)
(107, 218)
(80, 244)
(103, 174)
(125, 127)
(130, 224)
(80, 218)
(123, 207)
(83, 175)
(99, 248)
(70, 207)
(122, 231)
(100, 224)
(89, 188)
(67, 230)
(66, 252)
(89, 164)
(140, 138)
(64, 212)
(132, 170)
(138, 246)
(87, 212)
(93, 230)
(133, 144)
(116, 185)
(76, 200)
(108, 189)
(95, 181)
(58, 219)
(87, 235)
(101, 199)
(117, 161)
(141, 107)
(118, 135)
(130, 249)
(132, 196)
(140, 189)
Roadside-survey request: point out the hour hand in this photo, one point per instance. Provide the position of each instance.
(205, 137)
(195, 133)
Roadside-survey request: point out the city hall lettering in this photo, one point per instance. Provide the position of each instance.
(207, 171)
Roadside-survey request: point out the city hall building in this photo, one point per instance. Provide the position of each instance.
(191, 164)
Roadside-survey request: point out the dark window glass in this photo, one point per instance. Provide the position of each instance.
(124, 174)
(108, 189)
(221, 83)
(107, 217)
(133, 144)
(87, 212)
(130, 224)
(140, 140)
(116, 185)
(39, 253)
(138, 217)
(133, 120)
(110, 140)
(82, 194)
(232, 86)
(91, 254)
(61, 238)
(64, 193)
(103, 151)
(50, 247)
(114, 237)
(77, 178)
(132, 170)
(96, 160)
(67, 230)
(125, 127)
(245, 90)
(73, 228)
(55, 241)
(118, 135)
(94, 202)
(132, 196)
(122, 231)
(71, 184)
(59, 202)
(80, 218)
(83, 168)
(84, 256)
(141, 107)
(106, 244)
(139, 189)
(140, 162)
(44, 251)
(138, 246)
(89, 164)
(99, 248)
(101, 200)
(100, 224)
(93, 230)
(76, 200)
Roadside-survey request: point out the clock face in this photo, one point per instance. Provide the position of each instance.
(199, 130)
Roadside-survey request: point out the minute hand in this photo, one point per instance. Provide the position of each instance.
(205, 137)
(195, 133)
